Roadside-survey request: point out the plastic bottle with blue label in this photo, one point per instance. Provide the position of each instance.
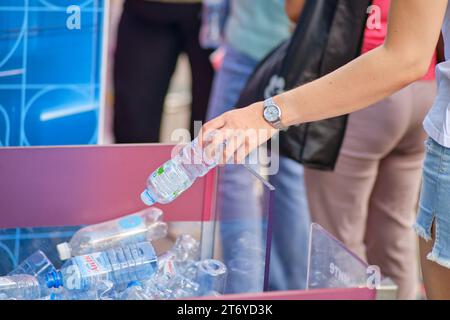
(120, 265)
(19, 287)
(142, 226)
(175, 176)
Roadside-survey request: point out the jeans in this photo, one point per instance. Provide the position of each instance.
(435, 202)
(290, 215)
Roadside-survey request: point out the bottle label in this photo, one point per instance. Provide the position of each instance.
(92, 264)
(130, 222)
(170, 180)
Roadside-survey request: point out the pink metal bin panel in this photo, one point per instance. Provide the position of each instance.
(324, 294)
(58, 186)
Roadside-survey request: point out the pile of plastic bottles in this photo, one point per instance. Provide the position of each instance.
(116, 260)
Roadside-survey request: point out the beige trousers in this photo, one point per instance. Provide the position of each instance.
(369, 201)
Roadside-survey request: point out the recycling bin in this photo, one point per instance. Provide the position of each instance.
(47, 193)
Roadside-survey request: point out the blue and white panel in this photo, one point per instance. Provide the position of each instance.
(50, 71)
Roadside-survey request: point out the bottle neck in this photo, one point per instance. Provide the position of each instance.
(54, 279)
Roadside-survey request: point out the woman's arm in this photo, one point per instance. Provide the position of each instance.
(293, 9)
(413, 32)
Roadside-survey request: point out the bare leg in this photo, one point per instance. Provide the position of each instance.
(436, 277)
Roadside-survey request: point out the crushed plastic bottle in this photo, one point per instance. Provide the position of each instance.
(142, 226)
(135, 291)
(211, 276)
(35, 265)
(102, 291)
(72, 295)
(186, 248)
(183, 288)
(176, 175)
(180, 258)
(20, 287)
(120, 265)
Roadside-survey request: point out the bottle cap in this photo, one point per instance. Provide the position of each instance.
(64, 251)
(134, 284)
(53, 279)
(147, 198)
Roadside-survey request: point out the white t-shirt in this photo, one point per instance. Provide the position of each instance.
(437, 122)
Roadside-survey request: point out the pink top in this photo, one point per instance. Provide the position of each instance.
(374, 36)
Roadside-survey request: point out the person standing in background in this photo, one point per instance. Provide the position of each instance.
(253, 29)
(151, 36)
(369, 200)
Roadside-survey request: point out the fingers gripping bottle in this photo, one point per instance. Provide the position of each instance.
(177, 175)
(139, 227)
(120, 265)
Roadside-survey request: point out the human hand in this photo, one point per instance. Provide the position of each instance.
(235, 134)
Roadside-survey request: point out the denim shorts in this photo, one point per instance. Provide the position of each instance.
(435, 202)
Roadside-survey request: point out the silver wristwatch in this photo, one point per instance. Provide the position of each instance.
(272, 114)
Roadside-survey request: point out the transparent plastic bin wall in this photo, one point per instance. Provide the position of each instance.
(334, 273)
(47, 193)
(242, 236)
(331, 265)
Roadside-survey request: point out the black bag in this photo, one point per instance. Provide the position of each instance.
(329, 34)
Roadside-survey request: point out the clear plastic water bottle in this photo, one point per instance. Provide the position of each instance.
(120, 265)
(186, 248)
(135, 291)
(214, 16)
(175, 176)
(72, 295)
(138, 227)
(37, 264)
(182, 287)
(102, 291)
(182, 256)
(20, 287)
(211, 276)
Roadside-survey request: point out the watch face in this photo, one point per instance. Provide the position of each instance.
(271, 114)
